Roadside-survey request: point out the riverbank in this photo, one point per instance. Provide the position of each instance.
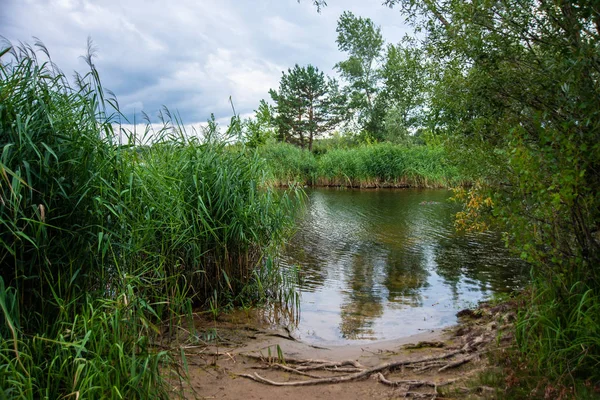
(374, 165)
(253, 362)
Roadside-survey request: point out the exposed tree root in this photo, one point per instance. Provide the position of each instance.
(458, 363)
(352, 370)
(425, 367)
(343, 369)
(405, 383)
(293, 370)
(329, 365)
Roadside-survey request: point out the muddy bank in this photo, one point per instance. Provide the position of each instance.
(249, 362)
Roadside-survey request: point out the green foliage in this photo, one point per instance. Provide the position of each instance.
(259, 129)
(387, 165)
(363, 41)
(307, 105)
(221, 215)
(517, 90)
(336, 140)
(405, 77)
(377, 165)
(105, 234)
(387, 91)
(104, 352)
(563, 333)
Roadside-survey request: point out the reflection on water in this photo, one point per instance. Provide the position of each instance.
(383, 264)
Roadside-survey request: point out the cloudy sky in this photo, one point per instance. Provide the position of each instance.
(190, 55)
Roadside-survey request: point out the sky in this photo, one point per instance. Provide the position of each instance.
(190, 55)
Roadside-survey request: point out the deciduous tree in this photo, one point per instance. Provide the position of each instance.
(519, 94)
(404, 81)
(363, 42)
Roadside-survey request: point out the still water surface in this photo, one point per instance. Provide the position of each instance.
(384, 264)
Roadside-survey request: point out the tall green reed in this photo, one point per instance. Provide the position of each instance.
(372, 165)
(106, 233)
(562, 332)
(287, 164)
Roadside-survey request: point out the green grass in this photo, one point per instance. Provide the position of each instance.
(563, 333)
(365, 166)
(105, 351)
(287, 165)
(106, 233)
(549, 356)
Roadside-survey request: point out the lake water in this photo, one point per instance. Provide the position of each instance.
(384, 264)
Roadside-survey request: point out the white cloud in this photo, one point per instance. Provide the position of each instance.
(190, 55)
(280, 29)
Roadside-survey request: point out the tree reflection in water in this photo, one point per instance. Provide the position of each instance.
(387, 263)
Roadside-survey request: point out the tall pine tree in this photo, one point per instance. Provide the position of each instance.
(307, 104)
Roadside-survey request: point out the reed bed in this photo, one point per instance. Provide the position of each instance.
(288, 165)
(107, 233)
(364, 166)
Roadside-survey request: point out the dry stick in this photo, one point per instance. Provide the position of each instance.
(421, 368)
(287, 360)
(212, 354)
(408, 384)
(458, 362)
(413, 383)
(321, 363)
(351, 377)
(347, 369)
(337, 379)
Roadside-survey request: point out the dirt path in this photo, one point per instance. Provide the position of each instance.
(251, 363)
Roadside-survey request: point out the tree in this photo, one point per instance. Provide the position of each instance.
(404, 78)
(307, 105)
(362, 40)
(260, 128)
(519, 94)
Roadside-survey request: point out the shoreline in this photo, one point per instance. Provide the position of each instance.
(254, 363)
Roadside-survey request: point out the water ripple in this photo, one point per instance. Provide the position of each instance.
(382, 264)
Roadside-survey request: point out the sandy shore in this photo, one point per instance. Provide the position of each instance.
(456, 354)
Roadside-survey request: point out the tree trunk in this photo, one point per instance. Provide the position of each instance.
(311, 129)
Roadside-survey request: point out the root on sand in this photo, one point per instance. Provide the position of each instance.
(351, 370)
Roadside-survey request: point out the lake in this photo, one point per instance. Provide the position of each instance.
(383, 264)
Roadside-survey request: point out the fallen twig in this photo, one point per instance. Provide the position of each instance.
(330, 365)
(343, 369)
